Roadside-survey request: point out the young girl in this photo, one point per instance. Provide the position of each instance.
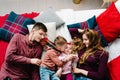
(65, 72)
(50, 60)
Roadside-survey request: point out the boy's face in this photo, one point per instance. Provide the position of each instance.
(62, 48)
(38, 35)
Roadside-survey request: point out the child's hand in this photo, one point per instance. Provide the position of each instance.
(68, 58)
(75, 59)
(59, 72)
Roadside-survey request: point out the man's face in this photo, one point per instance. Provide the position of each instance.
(39, 35)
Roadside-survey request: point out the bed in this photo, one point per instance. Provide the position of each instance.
(60, 27)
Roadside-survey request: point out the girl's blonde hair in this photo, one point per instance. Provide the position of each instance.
(94, 46)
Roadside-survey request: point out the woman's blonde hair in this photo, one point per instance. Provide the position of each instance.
(77, 44)
(94, 45)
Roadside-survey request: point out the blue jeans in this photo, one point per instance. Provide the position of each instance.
(47, 74)
(82, 78)
(7, 78)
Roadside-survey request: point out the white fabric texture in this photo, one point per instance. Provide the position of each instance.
(117, 4)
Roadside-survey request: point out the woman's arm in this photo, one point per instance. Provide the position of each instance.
(81, 71)
(102, 68)
(98, 75)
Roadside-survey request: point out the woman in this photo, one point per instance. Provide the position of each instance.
(92, 64)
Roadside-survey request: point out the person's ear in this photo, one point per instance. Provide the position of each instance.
(33, 30)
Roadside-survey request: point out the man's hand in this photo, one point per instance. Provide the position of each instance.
(35, 61)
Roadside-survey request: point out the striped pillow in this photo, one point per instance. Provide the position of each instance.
(90, 23)
(14, 24)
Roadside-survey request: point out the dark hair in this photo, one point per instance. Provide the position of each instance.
(39, 25)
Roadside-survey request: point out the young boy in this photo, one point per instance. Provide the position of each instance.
(50, 61)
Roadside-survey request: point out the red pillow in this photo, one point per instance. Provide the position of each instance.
(114, 68)
(3, 47)
(2, 19)
(109, 23)
(30, 15)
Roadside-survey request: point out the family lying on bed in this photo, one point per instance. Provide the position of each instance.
(81, 59)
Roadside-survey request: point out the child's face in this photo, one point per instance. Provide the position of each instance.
(62, 48)
(68, 49)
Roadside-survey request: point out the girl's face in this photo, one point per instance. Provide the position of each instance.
(68, 50)
(85, 40)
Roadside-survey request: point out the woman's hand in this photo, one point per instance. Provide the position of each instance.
(82, 71)
(76, 70)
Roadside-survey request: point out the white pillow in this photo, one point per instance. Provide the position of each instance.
(49, 15)
(117, 4)
(51, 26)
(113, 49)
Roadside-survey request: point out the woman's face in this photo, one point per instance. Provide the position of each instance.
(85, 40)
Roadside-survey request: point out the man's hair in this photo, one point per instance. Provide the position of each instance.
(39, 25)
